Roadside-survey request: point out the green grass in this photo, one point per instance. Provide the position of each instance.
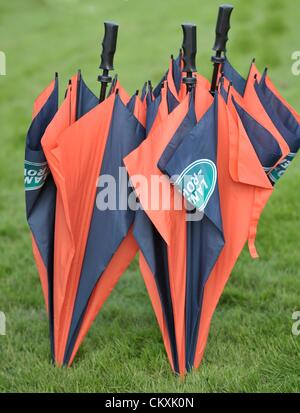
(250, 348)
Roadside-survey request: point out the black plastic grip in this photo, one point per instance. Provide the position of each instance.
(222, 27)
(189, 47)
(109, 45)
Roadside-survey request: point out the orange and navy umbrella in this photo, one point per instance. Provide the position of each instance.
(40, 187)
(91, 146)
(40, 194)
(85, 267)
(77, 101)
(163, 236)
(243, 187)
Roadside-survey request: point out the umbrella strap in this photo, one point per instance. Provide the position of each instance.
(257, 208)
(260, 199)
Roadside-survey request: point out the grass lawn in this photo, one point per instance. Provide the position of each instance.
(251, 347)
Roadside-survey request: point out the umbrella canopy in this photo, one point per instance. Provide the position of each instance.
(120, 259)
(243, 187)
(40, 193)
(84, 150)
(77, 101)
(163, 243)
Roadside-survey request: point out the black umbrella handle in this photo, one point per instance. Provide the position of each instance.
(109, 45)
(222, 29)
(189, 47)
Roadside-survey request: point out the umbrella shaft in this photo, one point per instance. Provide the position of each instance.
(103, 87)
(215, 74)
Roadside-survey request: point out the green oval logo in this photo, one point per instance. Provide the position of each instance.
(197, 182)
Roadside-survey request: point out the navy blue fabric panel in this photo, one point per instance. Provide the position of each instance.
(172, 101)
(107, 228)
(113, 85)
(223, 92)
(238, 82)
(155, 252)
(176, 72)
(42, 120)
(152, 109)
(86, 100)
(184, 128)
(157, 89)
(205, 239)
(34, 154)
(280, 115)
(265, 145)
(144, 91)
(131, 104)
(40, 201)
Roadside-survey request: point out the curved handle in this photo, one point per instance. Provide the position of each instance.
(109, 45)
(189, 47)
(222, 27)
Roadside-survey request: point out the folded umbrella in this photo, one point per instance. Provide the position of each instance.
(88, 268)
(73, 104)
(118, 263)
(243, 187)
(163, 243)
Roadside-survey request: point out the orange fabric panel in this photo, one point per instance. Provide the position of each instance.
(117, 266)
(63, 250)
(272, 87)
(143, 161)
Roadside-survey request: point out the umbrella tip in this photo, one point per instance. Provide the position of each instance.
(137, 92)
(117, 91)
(253, 60)
(70, 82)
(56, 75)
(172, 56)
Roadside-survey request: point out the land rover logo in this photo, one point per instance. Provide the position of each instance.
(35, 175)
(197, 182)
(280, 169)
